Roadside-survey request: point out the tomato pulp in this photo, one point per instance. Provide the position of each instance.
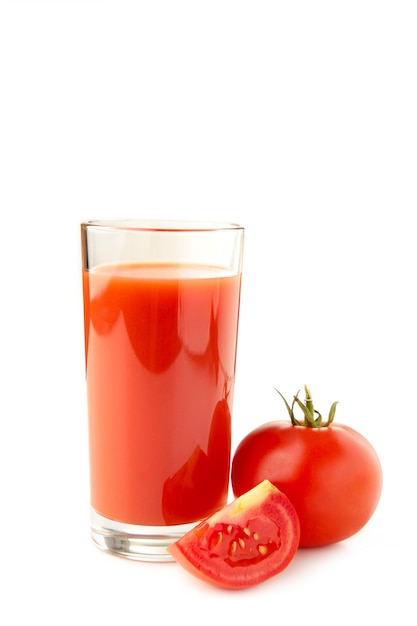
(160, 367)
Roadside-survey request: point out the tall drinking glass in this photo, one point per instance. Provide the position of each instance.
(161, 309)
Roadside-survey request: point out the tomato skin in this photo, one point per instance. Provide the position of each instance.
(332, 475)
(245, 543)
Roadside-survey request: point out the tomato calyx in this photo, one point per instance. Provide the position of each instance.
(312, 417)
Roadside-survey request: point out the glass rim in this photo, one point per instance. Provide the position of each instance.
(161, 225)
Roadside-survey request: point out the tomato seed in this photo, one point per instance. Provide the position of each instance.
(256, 536)
(246, 531)
(241, 543)
(262, 550)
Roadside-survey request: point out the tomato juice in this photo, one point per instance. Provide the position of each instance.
(160, 366)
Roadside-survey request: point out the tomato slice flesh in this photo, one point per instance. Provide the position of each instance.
(241, 546)
(247, 542)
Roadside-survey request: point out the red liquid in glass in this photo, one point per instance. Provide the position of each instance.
(160, 365)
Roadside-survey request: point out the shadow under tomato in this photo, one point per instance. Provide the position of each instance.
(306, 560)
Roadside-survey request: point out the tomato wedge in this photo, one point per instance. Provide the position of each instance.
(250, 540)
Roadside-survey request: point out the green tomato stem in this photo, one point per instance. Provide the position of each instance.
(308, 410)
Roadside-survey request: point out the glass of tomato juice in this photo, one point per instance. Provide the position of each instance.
(161, 310)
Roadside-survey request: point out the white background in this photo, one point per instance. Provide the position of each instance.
(296, 119)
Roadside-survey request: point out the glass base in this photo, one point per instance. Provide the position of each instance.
(141, 543)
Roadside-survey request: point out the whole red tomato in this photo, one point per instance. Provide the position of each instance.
(329, 471)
